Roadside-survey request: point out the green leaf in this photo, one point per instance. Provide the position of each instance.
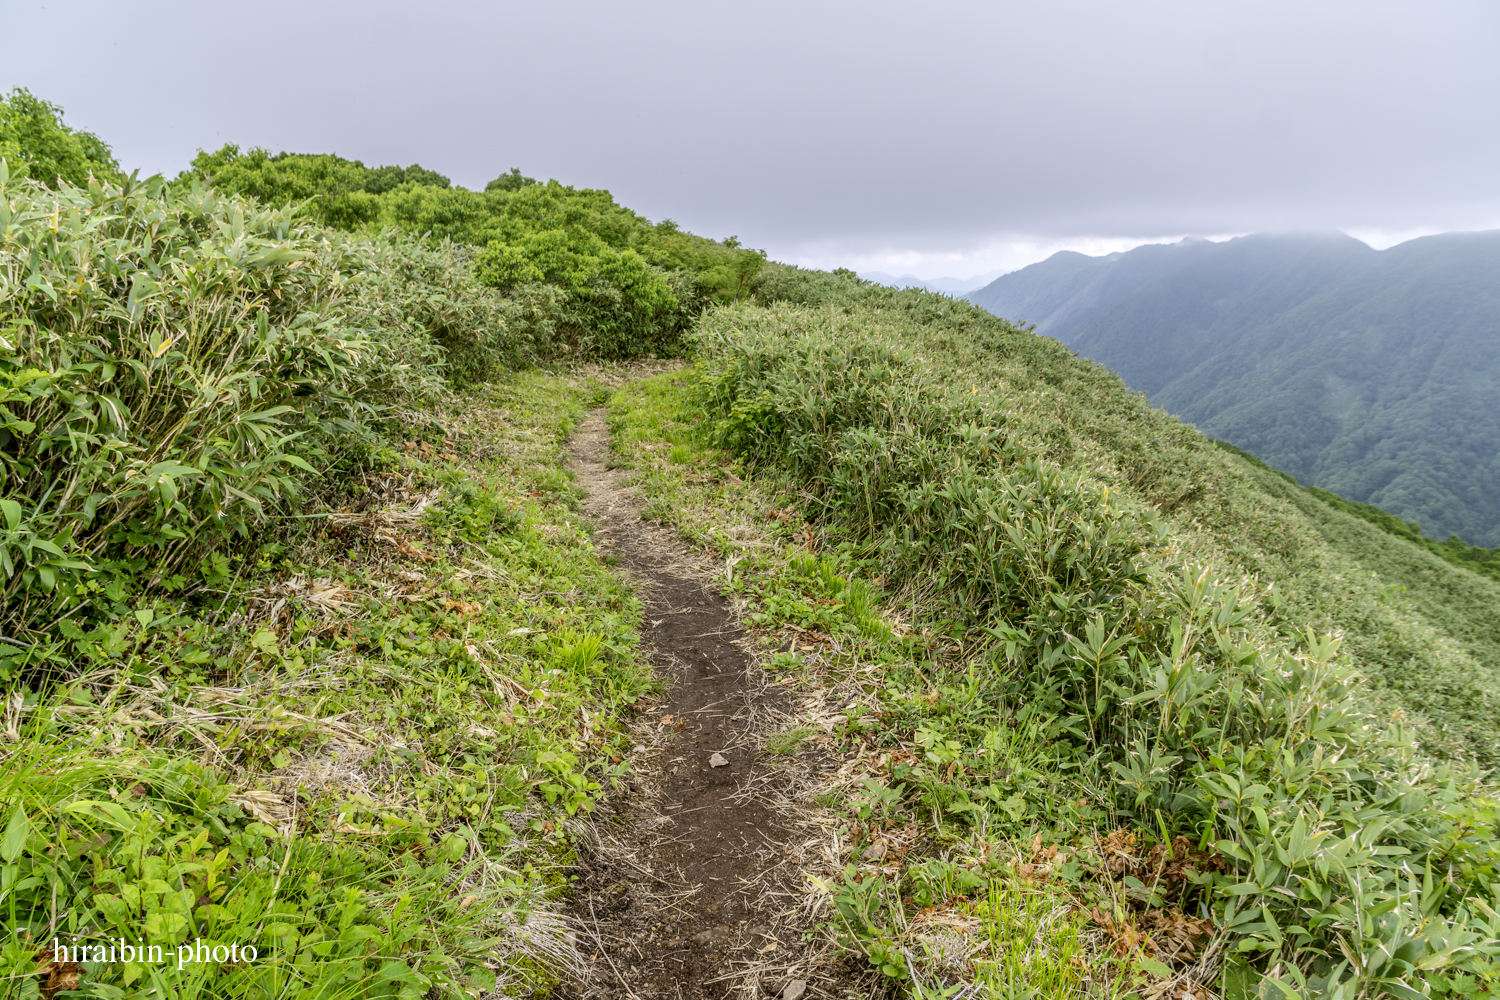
(1154, 967)
(108, 812)
(12, 511)
(170, 469)
(42, 285)
(399, 972)
(295, 461)
(16, 832)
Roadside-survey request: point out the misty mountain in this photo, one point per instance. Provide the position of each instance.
(948, 286)
(1373, 374)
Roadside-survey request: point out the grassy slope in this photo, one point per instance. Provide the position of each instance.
(365, 761)
(899, 412)
(1485, 562)
(1005, 878)
(1219, 510)
(1459, 602)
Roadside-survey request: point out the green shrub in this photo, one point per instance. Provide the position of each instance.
(177, 361)
(510, 181)
(342, 192)
(36, 143)
(628, 287)
(616, 304)
(427, 289)
(169, 357)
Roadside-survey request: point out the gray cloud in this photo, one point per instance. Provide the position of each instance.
(830, 124)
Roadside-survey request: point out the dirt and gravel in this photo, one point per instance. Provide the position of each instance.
(690, 884)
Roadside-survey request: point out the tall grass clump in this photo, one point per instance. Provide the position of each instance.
(170, 358)
(175, 365)
(1178, 685)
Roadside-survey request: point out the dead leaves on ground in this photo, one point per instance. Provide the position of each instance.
(426, 450)
(273, 603)
(1159, 934)
(1132, 927)
(1167, 866)
(55, 976)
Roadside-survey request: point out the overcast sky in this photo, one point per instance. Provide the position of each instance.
(932, 138)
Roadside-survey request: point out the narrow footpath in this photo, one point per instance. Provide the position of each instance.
(687, 886)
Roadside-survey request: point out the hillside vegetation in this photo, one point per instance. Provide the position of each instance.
(306, 645)
(624, 281)
(1195, 656)
(1485, 562)
(1369, 374)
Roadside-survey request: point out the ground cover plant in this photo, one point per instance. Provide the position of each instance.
(1144, 675)
(358, 759)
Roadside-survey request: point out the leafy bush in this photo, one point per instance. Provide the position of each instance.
(617, 305)
(510, 181)
(628, 287)
(36, 143)
(169, 358)
(343, 192)
(427, 289)
(176, 361)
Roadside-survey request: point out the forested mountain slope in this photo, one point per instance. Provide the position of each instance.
(1372, 374)
(1067, 287)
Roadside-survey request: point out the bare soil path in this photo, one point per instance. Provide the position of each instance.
(688, 889)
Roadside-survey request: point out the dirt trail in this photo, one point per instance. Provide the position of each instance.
(688, 889)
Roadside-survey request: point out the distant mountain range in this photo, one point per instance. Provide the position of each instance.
(948, 286)
(1373, 374)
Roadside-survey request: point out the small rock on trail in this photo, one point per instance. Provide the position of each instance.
(684, 878)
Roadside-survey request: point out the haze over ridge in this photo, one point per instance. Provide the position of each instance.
(834, 135)
(1371, 373)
